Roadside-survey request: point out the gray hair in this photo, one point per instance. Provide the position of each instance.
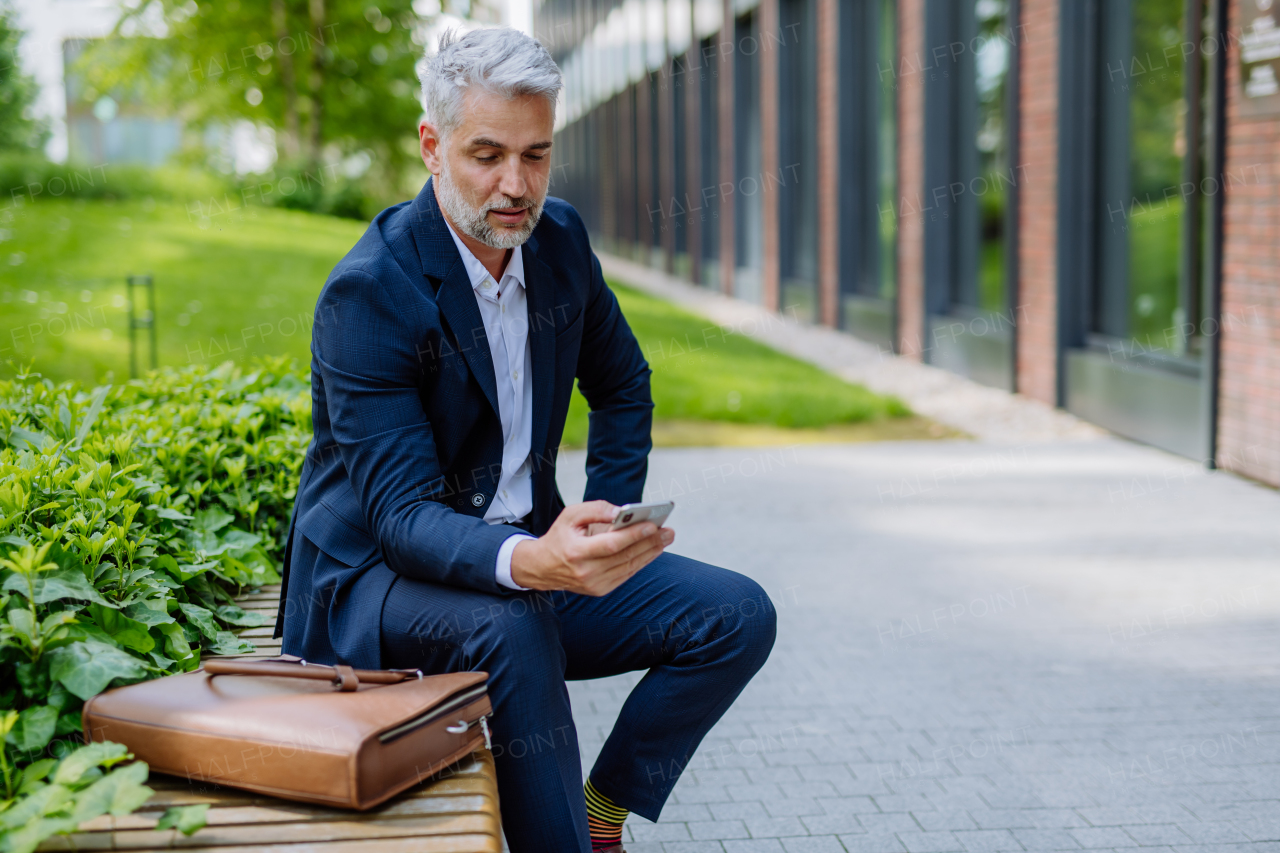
(501, 60)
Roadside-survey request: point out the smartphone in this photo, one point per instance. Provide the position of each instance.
(629, 514)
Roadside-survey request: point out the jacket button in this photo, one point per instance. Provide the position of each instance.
(477, 499)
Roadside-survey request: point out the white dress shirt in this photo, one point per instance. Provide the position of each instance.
(504, 311)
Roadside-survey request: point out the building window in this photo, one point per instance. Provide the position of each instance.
(709, 181)
(1140, 150)
(868, 168)
(797, 181)
(749, 186)
(971, 187)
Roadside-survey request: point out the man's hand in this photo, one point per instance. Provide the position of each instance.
(568, 557)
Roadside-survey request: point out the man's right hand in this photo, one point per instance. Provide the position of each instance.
(567, 557)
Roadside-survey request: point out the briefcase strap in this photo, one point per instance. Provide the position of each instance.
(347, 678)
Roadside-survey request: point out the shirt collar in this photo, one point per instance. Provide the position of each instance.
(476, 271)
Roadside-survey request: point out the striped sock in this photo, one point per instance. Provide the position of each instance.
(604, 818)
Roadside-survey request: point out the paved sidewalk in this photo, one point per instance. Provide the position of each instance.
(976, 409)
(982, 647)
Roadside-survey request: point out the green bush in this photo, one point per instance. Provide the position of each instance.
(130, 517)
(29, 177)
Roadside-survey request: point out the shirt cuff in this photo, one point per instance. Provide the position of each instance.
(502, 572)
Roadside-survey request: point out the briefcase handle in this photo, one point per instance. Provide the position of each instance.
(347, 678)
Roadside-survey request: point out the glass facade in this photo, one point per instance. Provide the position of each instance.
(797, 178)
(748, 182)
(1151, 160)
(972, 179)
(868, 169)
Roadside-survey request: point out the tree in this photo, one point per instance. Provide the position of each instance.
(19, 129)
(327, 76)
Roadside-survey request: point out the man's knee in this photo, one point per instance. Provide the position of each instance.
(743, 611)
(757, 622)
(516, 628)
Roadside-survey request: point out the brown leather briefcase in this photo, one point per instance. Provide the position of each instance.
(319, 734)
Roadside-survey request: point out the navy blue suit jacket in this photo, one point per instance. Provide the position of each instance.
(406, 449)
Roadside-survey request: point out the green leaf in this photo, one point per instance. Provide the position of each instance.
(86, 668)
(27, 838)
(37, 770)
(130, 633)
(23, 624)
(239, 542)
(228, 643)
(173, 514)
(186, 819)
(73, 768)
(66, 583)
(25, 439)
(201, 618)
(91, 416)
(175, 641)
(211, 520)
(149, 612)
(44, 801)
(34, 729)
(118, 793)
(233, 615)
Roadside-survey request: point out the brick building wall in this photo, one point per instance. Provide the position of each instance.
(1249, 389)
(1036, 313)
(910, 82)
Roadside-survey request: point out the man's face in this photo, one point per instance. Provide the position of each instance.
(493, 169)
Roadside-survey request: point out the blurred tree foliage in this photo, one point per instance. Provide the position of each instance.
(331, 78)
(19, 128)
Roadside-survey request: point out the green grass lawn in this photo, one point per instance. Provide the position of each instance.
(245, 284)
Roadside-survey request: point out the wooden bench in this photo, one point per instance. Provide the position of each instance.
(455, 811)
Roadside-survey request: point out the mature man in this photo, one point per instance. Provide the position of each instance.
(428, 530)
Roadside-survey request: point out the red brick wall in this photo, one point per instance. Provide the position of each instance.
(1249, 391)
(1037, 304)
(910, 82)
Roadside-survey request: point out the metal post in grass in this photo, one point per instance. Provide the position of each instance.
(147, 321)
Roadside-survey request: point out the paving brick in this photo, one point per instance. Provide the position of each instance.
(691, 847)
(832, 824)
(825, 844)
(754, 845)
(1046, 839)
(794, 807)
(877, 842)
(1092, 839)
(897, 822)
(717, 829)
(930, 842)
(848, 805)
(988, 840)
(942, 820)
(642, 831)
(1212, 832)
(1157, 834)
(775, 827)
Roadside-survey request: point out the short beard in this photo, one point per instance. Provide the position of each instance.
(474, 222)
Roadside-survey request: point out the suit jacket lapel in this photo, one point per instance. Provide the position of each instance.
(540, 298)
(455, 297)
(457, 302)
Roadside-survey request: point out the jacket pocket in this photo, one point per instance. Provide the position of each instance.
(336, 537)
(570, 333)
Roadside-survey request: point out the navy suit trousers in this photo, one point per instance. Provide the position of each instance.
(700, 631)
